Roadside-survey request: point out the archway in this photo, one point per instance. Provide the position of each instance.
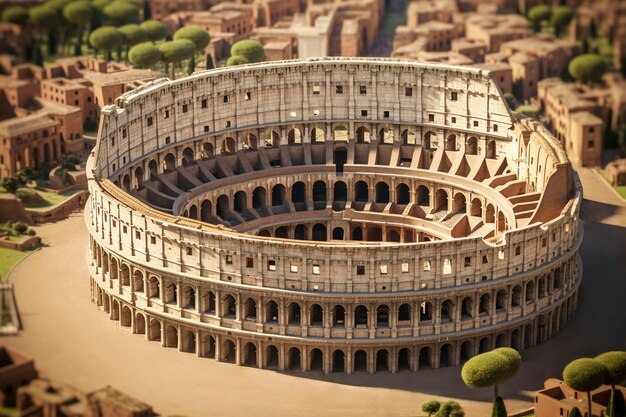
(338, 361)
(360, 361)
(363, 135)
(340, 158)
(294, 359)
(402, 194)
(382, 360)
(382, 192)
(229, 146)
(319, 232)
(471, 148)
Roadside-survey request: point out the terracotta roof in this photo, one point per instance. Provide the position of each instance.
(26, 124)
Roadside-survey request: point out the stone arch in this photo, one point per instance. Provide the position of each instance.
(361, 191)
(465, 351)
(229, 306)
(491, 149)
(382, 316)
(393, 236)
(467, 308)
(282, 232)
(319, 232)
(386, 135)
(382, 360)
(340, 191)
(316, 360)
(126, 316)
(316, 315)
(138, 280)
(259, 197)
(320, 193)
(382, 192)
(171, 293)
(360, 361)
(294, 359)
(404, 314)
(318, 135)
(229, 351)
(300, 232)
(447, 310)
(484, 306)
(138, 177)
(240, 201)
(298, 193)
(229, 146)
(476, 208)
(124, 275)
(484, 345)
(441, 200)
(404, 360)
(501, 340)
(171, 336)
(272, 139)
(338, 233)
(188, 341)
(207, 150)
(271, 357)
(188, 297)
(530, 292)
(169, 163)
(339, 316)
(426, 311)
(501, 300)
(153, 288)
(278, 195)
(516, 296)
(250, 354)
(249, 312)
(423, 196)
(339, 361)
(424, 358)
(155, 330)
(188, 156)
(205, 210)
(126, 183)
(490, 214)
(271, 312)
(222, 207)
(357, 233)
(361, 316)
(252, 141)
(193, 212)
(294, 314)
(363, 135)
(402, 194)
(153, 168)
(471, 148)
(140, 324)
(451, 142)
(445, 355)
(459, 203)
(294, 136)
(428, 139)
(409, 137)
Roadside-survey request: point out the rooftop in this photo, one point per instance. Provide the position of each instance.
(30, 123)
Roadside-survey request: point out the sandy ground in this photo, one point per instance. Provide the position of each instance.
(75, 342)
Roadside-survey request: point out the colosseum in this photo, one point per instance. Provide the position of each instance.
(338, 215)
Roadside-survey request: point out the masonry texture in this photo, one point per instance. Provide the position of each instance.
(341, 215)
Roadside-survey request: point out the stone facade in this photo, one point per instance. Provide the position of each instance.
(557, 399)
(343, 215)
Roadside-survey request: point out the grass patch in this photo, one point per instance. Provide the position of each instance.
(49, 200)
(8, 259)
(9, 412)
(621, 189)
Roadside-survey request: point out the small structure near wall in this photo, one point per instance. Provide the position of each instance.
(616, 172)
(15, 370)
(557, 399)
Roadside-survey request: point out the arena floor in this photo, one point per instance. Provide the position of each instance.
(73, 342)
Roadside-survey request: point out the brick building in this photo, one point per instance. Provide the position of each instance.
(557, 399)
(15, 370)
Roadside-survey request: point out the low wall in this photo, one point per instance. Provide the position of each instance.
(11, 209)
(26, 244)
(60, 211)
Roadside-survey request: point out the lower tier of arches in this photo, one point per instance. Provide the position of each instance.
(336, 356)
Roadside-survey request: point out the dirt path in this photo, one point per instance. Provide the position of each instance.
(75, 343)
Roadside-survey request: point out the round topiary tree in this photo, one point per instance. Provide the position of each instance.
(560, 18)
(251, 50)
(615, 364)
(15, 14)
(236, 60)
(173, 52)
(120, 12)
(106, 38)
(490, 369)
(587, 68)
(574, 412)
(199, 37)
(450, 409)
(144, 55)
(585, 375)
(431, 407)
(79, 13)
(42, 19)
(133, 35)
(539, 14)
(156, 30)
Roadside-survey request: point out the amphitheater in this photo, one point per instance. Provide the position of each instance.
(337, 214)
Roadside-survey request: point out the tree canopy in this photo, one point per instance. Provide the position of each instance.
(251, 50)
(198, 36)
(176, 51)
(587, 67)
(106, 38)
(79, 13)
(120, 12)
(491, 368)
(133, 34)
(15, 14)
(584, 374)
(561, 16)
(155, 29)
(540, 13)
(431, 407)
(615, 364)
(144, 55)
(43, 16)
(237, 60)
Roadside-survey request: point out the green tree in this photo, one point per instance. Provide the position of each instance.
(147, 10)
(490, 369)
(450, 409)
(431, 407)
(15, 14)
(144, 55)
(199, 37)
(593, 31)
(561, 16)
(12, 183)
(173, 52)
(133, 35)
(120, 12)
(587, 68)
(574, 412)
(80, 14)
(106, 38)
(499, 410)
(251, 50)
(615, 364)
(209, 62)
(585, 375)
(539, 14)
(42, 19)
(237, 60)
(156, 30)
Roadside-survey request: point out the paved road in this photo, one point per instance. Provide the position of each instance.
(75, 342)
